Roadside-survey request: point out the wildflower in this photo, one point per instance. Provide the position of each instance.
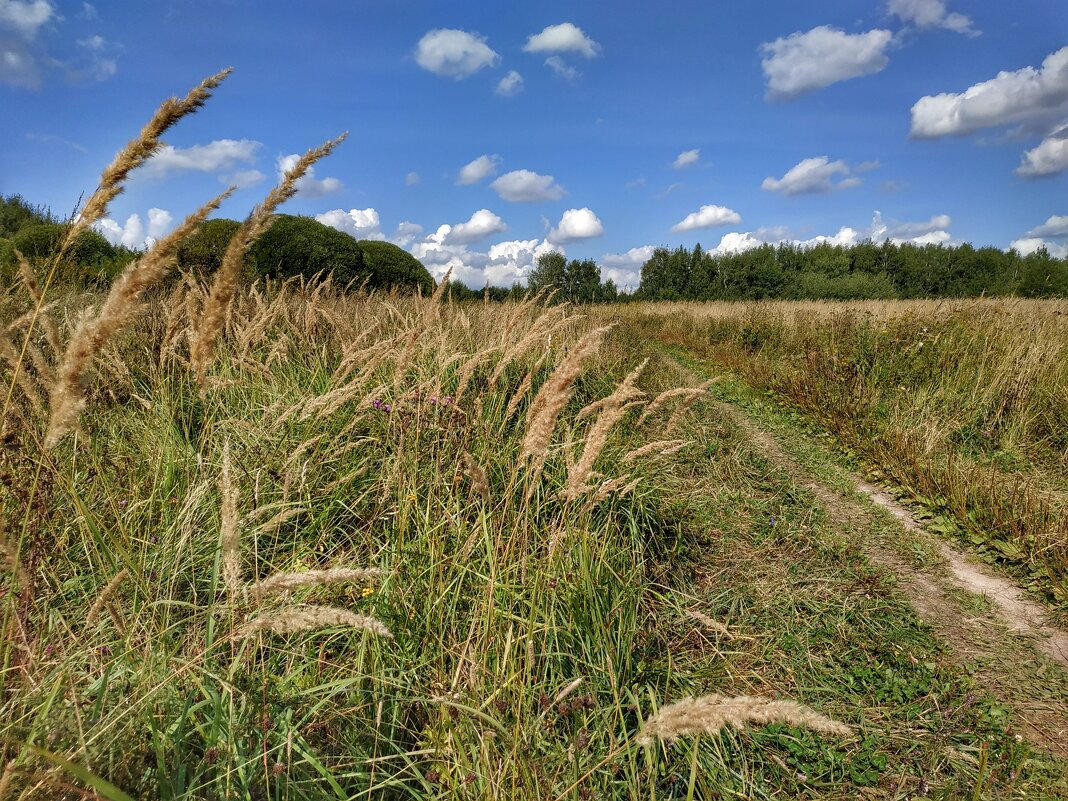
(377, 403)
(434, 399)
(446, 400)
(367, 592)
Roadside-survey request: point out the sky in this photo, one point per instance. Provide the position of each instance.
(481, 135)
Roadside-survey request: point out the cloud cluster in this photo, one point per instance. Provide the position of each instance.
(133, 234)
(815, 175)
(576, 224)
(803, 62)
(483, 223)
(510, 84)
(308, 185)
(624, 269)
(20, 21)
(474, 171)
(563, 38)
(687, 158)
(1051, 235)
(216, 156)
(357, 223)
(1049, 158)
(525, 186)
(454, 53)
(707, 217)
(1025, 95)
(931, 14)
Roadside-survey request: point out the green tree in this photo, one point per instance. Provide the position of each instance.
(549, 273)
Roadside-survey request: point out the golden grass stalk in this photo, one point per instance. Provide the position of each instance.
(611, 411)
(105, 594)
(216, 305)
(710, 623)
(711, 713)
(684, 406)
(477, 474)
(229, 527)
(524, 388)
(40, 310)
(298, 619)
(553, 397)
(287, 582)
(138, 151)
(661, 447)
(10, 354)
(120, 307)
(679, 392)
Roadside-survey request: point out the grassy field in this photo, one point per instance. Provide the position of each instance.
(962, 405)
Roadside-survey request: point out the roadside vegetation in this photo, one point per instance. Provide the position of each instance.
(284, 537)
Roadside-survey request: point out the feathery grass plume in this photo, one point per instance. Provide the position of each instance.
(678, 392)
(477, 474)
(710, 713)
(138, 151)
(467, 371)
(524, 387)
(684, 406)
(287, 582)
(40, 309)
(119, 309)
(21, 378)
(570, 688)
(710, 623)
(229, 527)
(619, 486)
(105, 594)
(216, 305)
(553, 397)
(297, 619)
(611, 411)
(662, 447)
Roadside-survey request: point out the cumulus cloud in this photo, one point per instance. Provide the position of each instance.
(483, 223)
(222, 154)
(931, 14)
(358, 223)
(802, 62)
(474, 171)
(510, 84)
(308, 185)
(1026, 95)
(576, 224)
(561, 68)
(707, 217)
(930, 232)
(406, 233)
(25, 17)
(411, 179)
(454, 53)
(815, 175)
(687, 158)
(1055, 226)
(1029, 245)
(524, 186)
(1049, 158)
(562, 38)
(624, 269)
(132, 233)
(243, 178)
(503, 264)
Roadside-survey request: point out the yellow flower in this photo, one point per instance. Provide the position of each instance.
(368, 591)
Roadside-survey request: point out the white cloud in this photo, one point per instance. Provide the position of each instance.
(222, 154)
(89, 12)
(160, 222)
(411, 179)
(624, 269)
(132, 233)
(576, 224)
(936, 226)
(1029, 245)
(562, 38)
(813, 175)
(510, 84)
(1049, 158)
(504, 264)
(243, 178)
(25, 17)
(453, 53)
(358, 223)
(18, 67)
(406, 233)
(687, 158)
(737, 242)
(524, 186)
(931, 14)
(474, 171)
(802, 62)
(1055, 226)
(308, 185)
(561, 68)
(1026, 95)
(707, 217)
(483, 223)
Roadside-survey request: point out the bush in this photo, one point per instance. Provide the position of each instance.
(394, 266)
(304, 246)
(201, 254)
(90, 260)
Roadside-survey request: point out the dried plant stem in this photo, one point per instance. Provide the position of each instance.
(299, 619)
(102, 599)
(120, 307)
(662, 447)
(287, 582)
(230, 528)
(216, 305)
(711, 713)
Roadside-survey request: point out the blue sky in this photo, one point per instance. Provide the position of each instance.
(482, 134)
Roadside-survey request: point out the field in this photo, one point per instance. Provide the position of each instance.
(289, 540)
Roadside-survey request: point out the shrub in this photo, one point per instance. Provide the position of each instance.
(90, 260)
(394, 266)
(201, 254)
(304, 246)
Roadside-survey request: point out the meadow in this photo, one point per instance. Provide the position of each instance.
(292, 540)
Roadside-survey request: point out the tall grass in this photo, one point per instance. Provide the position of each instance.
(964, 404)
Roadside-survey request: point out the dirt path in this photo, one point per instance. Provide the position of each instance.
(1014, 651)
